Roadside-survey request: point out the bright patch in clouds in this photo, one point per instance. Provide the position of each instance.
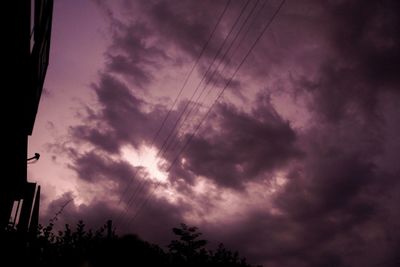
(145, 157)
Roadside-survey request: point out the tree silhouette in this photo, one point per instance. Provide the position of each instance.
(76, 246)
(226, 258)
(188, 250)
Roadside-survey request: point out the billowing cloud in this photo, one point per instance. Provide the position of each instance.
(363, 61)
(121, 119)
(237, 147)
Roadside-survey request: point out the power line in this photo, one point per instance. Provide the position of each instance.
(197, 101)
(166, 141)
(185, 81)
(182, 88)
(215, 101)
(239, 44)
(145, 182)
(225, 67)
(141, 187)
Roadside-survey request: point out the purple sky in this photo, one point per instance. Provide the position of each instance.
(297, 163)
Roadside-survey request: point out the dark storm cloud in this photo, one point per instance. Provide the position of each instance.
(132, 56)
(237, 147)
(331, 186)
(334, 209)
(364, 58)
(93, 168)
(187, 31)
(121, 119)
(330, 183)
(369, 40)
(152, 30)
(104, 140)
(182, 35)
(337, 197)
(338, 203)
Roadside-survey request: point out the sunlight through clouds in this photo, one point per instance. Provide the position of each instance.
(145, 157)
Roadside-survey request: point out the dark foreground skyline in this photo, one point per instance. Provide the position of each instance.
(297, 163)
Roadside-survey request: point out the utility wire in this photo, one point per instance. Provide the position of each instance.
(214, 103)
(225, 67)
(181, 89)
(145, 182)
(184, 83)
(141, 185)
(166, 141)
(203, 78)
(197, 101)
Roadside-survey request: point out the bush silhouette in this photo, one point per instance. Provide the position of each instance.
(77, 246)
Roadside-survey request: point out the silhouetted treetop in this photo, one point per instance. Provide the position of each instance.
(77, 246)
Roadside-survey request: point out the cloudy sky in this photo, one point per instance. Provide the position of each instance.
(272, 126)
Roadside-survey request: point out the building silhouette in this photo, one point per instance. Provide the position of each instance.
(26, 39)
